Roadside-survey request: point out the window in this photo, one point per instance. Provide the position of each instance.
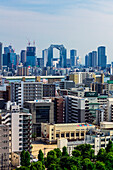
(77, 134)
(72, 134)
(67, 134)
(103, 145)
(52, 138)
(57, 135)
(51, 129)
(82, 134)
(107, 139)
(62, 135)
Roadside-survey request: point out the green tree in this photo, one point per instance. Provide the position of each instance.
(76, 153)
(22, 158)
(58, 152)
(109, 161)
(76, 161)
(86, 151)
(109, 147)
(69, 162)
(101, 156)
(52, 167)
(41, 156)
(27, 158)
(65, 162)
(87, 164)
(51, 158)
(64, 152)
(73, 167)
(33, 168)
(38, 165)
(100, 166)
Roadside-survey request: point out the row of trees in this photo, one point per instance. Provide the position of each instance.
(82, 158)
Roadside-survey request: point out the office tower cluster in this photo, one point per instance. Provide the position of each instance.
(96, 58)
(27, 63)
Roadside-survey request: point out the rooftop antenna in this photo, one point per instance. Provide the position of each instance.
(29, 43)
(34, 42)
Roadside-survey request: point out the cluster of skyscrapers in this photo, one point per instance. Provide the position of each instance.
(97, 58)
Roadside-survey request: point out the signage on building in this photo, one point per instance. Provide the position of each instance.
(91, 94)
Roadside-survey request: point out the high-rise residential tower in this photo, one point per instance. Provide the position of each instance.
(90, 59)
(45, 56)
(102, 58)
(10, 59)
(86, 61)
(0, 55)
(31, 56)
(26, 91)
(73, 54)
(23, 56)
(94, 58)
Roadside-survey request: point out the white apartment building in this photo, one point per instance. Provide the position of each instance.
(20, 127)
(75, 109)
(26, 91)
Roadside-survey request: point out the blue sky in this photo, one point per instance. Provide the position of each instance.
(79, 24)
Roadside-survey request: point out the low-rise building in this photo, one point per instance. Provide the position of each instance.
(71, 131)
(97, 138)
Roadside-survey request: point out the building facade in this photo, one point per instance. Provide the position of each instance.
(66, 84)
(74, 109)
(71, 131)
(1, 56)
(4, 147)
(42, 111)
(73, 55)
(19, 122)
(26, 91)
(102, 58)
(49, 90)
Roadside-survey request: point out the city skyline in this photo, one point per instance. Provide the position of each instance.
(77, 25)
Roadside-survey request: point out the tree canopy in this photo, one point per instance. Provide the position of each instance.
(82, 158)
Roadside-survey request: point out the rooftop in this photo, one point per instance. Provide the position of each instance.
(74, 124)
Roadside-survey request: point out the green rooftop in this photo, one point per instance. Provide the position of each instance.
(110, 81)
(102, 97)
(94, 103)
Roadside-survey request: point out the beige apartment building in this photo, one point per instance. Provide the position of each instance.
(71, 131)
